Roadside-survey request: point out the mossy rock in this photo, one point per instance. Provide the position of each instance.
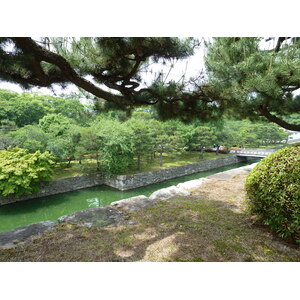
(273, 190)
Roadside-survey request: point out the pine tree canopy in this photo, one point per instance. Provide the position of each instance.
(114, 62)
(255, 79)
(243, 78)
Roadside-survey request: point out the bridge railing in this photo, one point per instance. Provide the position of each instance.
(255, 152)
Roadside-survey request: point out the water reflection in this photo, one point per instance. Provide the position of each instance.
(94, 202)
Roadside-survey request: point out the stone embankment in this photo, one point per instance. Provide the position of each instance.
(123, 182)
(115, 213)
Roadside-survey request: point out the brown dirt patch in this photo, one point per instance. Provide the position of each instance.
(230, 191)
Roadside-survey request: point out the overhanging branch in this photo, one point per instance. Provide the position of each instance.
(265, 112)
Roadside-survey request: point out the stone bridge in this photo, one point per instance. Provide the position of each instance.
(253, 152)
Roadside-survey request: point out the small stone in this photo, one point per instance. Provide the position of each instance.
(134, 203)
(169, 192)
(131, 223)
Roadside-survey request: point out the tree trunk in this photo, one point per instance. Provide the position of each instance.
(139, 161)
(201, 153)
(98, 164)
(160, 158)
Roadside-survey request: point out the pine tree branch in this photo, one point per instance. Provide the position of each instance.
(265, 112)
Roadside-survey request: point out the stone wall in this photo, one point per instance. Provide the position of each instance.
(124, 182)
(59, 186)
(127, 182)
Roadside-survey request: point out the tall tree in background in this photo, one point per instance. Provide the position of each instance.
(141, 139)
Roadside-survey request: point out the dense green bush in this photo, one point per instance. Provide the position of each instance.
(273, 189)
(21, 172)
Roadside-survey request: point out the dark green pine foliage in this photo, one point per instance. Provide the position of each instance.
(256, 78)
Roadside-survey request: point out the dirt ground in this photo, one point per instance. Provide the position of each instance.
(230, 191)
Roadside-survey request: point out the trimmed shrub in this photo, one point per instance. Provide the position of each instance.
(21, 172)
(273, 190)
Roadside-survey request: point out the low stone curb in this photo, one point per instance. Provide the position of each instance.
(14, 237)
(104, 216)
(134, 203)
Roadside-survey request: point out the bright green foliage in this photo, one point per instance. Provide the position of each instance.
(115, 144)
(23, 109)
(141, 139)
(28, 108)
(21, 172)
(55, 124)
(273, 189)
(69, 106)
(166, 139)
(203, 136)
(30, 137)
(247, 134)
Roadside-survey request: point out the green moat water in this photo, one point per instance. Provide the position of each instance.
(52, 207)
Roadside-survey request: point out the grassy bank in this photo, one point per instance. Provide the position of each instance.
(89, 165)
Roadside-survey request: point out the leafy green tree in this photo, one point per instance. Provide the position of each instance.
(30, 137)
(23, 109)
(114, 140)
(252, 81)
(7, 126)
(166, 139)
(203, 137)
(6, 95)
(141, 139)
(55, 124)
(68, 106)
(6, 141)
(88, 144)
(21, 171)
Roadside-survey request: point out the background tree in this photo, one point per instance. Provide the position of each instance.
(141, 139)
(30, 137)
(115, 144)
(165, 139)
(203, 137)
(22, 109)
(55, 124)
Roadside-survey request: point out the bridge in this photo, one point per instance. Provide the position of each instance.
(253, 152)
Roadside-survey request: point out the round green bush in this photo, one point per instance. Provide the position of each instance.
(273, 190)
(21, 171)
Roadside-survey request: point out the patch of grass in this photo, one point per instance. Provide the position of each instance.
(63, 170)
(170, 162)
(88, 166)
(187, 229)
